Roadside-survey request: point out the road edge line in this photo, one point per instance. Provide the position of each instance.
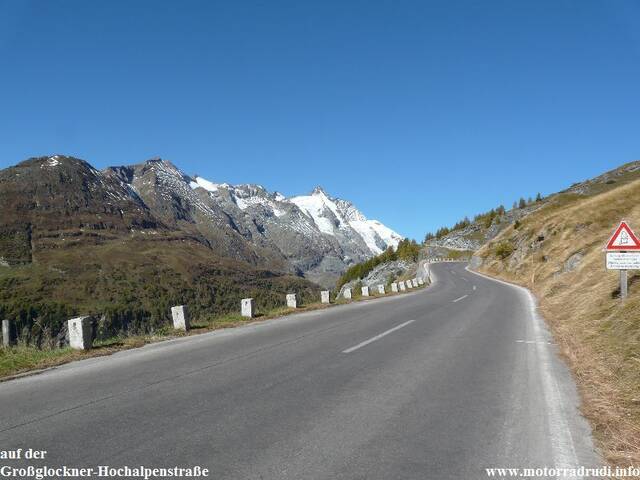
(564, 449)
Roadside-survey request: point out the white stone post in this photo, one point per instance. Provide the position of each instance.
(80, 333)
(8, 328)
(415, 282)
(292, 301)
(180, 316)
(402, 286)
(394, 287)
(365, 291)
(324, 296)
(347, 293)
(381, 289)
(409, 284)
(246, 307)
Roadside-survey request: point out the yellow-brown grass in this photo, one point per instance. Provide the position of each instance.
(598, 334)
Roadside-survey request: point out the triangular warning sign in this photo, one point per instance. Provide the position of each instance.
(623, 239)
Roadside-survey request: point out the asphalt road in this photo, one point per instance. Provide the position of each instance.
(438, 383)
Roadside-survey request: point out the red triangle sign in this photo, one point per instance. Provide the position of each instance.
(623, 239)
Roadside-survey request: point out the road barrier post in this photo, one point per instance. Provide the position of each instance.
(347, 293)
(8, 333)
(365, 291)
(180, 317)
(394, 287)
(381, 289)
(292, 301)
(246, 307)
(80, 333)
(324, 296)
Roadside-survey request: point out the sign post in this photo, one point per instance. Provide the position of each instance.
(623, 253)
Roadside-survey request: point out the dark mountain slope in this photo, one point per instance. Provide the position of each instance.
(77, 241)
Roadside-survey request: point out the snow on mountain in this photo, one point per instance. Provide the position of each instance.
(316, 235)
(317, 207)
(333, 214)
(206, 184)
(328, 215)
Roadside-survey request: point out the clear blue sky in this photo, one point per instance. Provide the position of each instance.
(419, 112)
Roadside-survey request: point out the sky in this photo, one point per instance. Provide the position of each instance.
(418, 112)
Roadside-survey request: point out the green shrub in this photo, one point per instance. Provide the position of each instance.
(407, 250)
(504, 249)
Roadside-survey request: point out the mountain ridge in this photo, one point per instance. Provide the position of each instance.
(316, 235)
(313, 235)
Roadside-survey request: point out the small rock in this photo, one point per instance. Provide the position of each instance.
(572, 262)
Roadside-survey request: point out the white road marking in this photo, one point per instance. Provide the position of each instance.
(461, 298)
(377, 337)
(533, 341)
(474, 287)
(464, 279)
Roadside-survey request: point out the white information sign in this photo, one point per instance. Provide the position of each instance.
(623, 260)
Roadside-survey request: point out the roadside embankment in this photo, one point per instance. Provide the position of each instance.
(556, 252)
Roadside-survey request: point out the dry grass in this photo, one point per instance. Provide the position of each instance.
(598, 334)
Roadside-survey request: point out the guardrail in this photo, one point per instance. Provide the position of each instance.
(81, 331)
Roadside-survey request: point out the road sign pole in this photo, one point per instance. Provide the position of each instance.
(623, 254)
(623, 284)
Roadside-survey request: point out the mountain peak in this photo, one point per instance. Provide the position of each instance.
(319, 190)
(159, 161)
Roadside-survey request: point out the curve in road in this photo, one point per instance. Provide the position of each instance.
(436, 383)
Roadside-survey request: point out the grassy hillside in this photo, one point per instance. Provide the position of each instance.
(556, 251)
(467, 236)
(131, 282)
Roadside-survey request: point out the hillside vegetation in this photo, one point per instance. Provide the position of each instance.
(407, 250)
(131, 284)
(556, 251)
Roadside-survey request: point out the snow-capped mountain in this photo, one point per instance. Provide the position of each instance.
(314, 235)
(334, 215)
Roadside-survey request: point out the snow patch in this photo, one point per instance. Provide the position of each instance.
(315, 207)
(204, 183)
(319, 207)
(53, 161)
(245, 202)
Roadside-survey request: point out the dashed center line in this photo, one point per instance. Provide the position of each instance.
(461, 298)
(474, 287)
(377, 337)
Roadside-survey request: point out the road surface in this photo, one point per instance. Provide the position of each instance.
(438, 383)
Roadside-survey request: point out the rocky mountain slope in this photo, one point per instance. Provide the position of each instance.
(314, 235)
